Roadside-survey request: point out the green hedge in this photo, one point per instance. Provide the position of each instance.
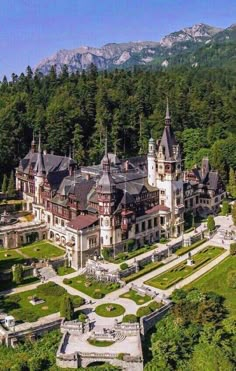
(151, 307)
(185, 249)
(129, 318)
(148, 268)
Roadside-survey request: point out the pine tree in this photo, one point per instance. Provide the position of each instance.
(225, 208)
(231, 188)
(211, 223)
(79, 154)
(17, 272)
(11, 186)
(67, 308)
(4, 184)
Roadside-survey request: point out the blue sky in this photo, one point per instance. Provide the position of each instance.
(32, 30)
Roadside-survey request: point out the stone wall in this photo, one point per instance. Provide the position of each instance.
(149, 321)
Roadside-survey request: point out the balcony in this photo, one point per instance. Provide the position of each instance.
(179, 209)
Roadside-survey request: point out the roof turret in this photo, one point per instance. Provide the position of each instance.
(39, 165)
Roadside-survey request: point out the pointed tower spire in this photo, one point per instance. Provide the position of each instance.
(167, 112)
(105, 160)
(39, 166)
(33, 145)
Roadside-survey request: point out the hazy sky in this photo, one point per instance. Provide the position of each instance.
(34, 29)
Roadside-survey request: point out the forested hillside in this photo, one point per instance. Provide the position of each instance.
(74, 111)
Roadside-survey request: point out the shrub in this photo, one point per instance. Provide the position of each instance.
(121, 256)
(130, 244)
(105, 253)
(97, 295)
(67, 308)
(82, 317)
(144, 311)
(163, 240)
(67, 281)
(231, 279)
(120, 356)
(50, 289)
(77, 301)
(124, 266)
(129, 318)
(233, 248)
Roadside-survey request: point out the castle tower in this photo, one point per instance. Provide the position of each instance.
(169, 176)
(151, 159)
(106, 197)
(40, 173)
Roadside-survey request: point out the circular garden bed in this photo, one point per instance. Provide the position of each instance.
(110, 310)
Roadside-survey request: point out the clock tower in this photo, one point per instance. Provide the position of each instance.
(106, 191)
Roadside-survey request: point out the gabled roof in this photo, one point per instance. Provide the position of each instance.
(158, 208)
(82, 221)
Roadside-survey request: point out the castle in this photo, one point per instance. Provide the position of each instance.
(118, 203)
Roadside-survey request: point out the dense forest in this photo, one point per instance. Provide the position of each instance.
(73, 113)
(197, 335)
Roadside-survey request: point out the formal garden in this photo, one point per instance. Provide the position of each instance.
(183, 270)
(29, 306)
(90, 286)
(110, 310)
(137, 298)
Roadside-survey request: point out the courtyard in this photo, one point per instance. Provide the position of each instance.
(182, 270)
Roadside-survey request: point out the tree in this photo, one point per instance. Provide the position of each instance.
(67, 308)
(231, 188)
(79, 154)
(11, 186)
(225, 208)
(211, 223)
(233, 212)
(207, 357)
(4, 184)
(17, 272)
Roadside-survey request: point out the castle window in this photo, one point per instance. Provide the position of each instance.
(162, 192)
(162, 202)
(62, 223)
(155, 222)
(162, 220)
(137, 228)
(143, 226)
(56, 220)
(150, 224)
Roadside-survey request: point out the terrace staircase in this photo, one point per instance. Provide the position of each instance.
(46, 273)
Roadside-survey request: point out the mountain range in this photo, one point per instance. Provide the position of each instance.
(196, 45)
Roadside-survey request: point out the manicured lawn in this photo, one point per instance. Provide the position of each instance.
(62, 271)
(148, 309)
(144, 270)
(100, 343)
(10, 257)
(216, 281)
(20, 307)
(91, 287)
(181, 271)
(115, 310)
(6, 285)
(138, 299)
(42, 250)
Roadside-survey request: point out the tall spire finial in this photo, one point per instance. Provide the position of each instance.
(39, 145)
(167, 112)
